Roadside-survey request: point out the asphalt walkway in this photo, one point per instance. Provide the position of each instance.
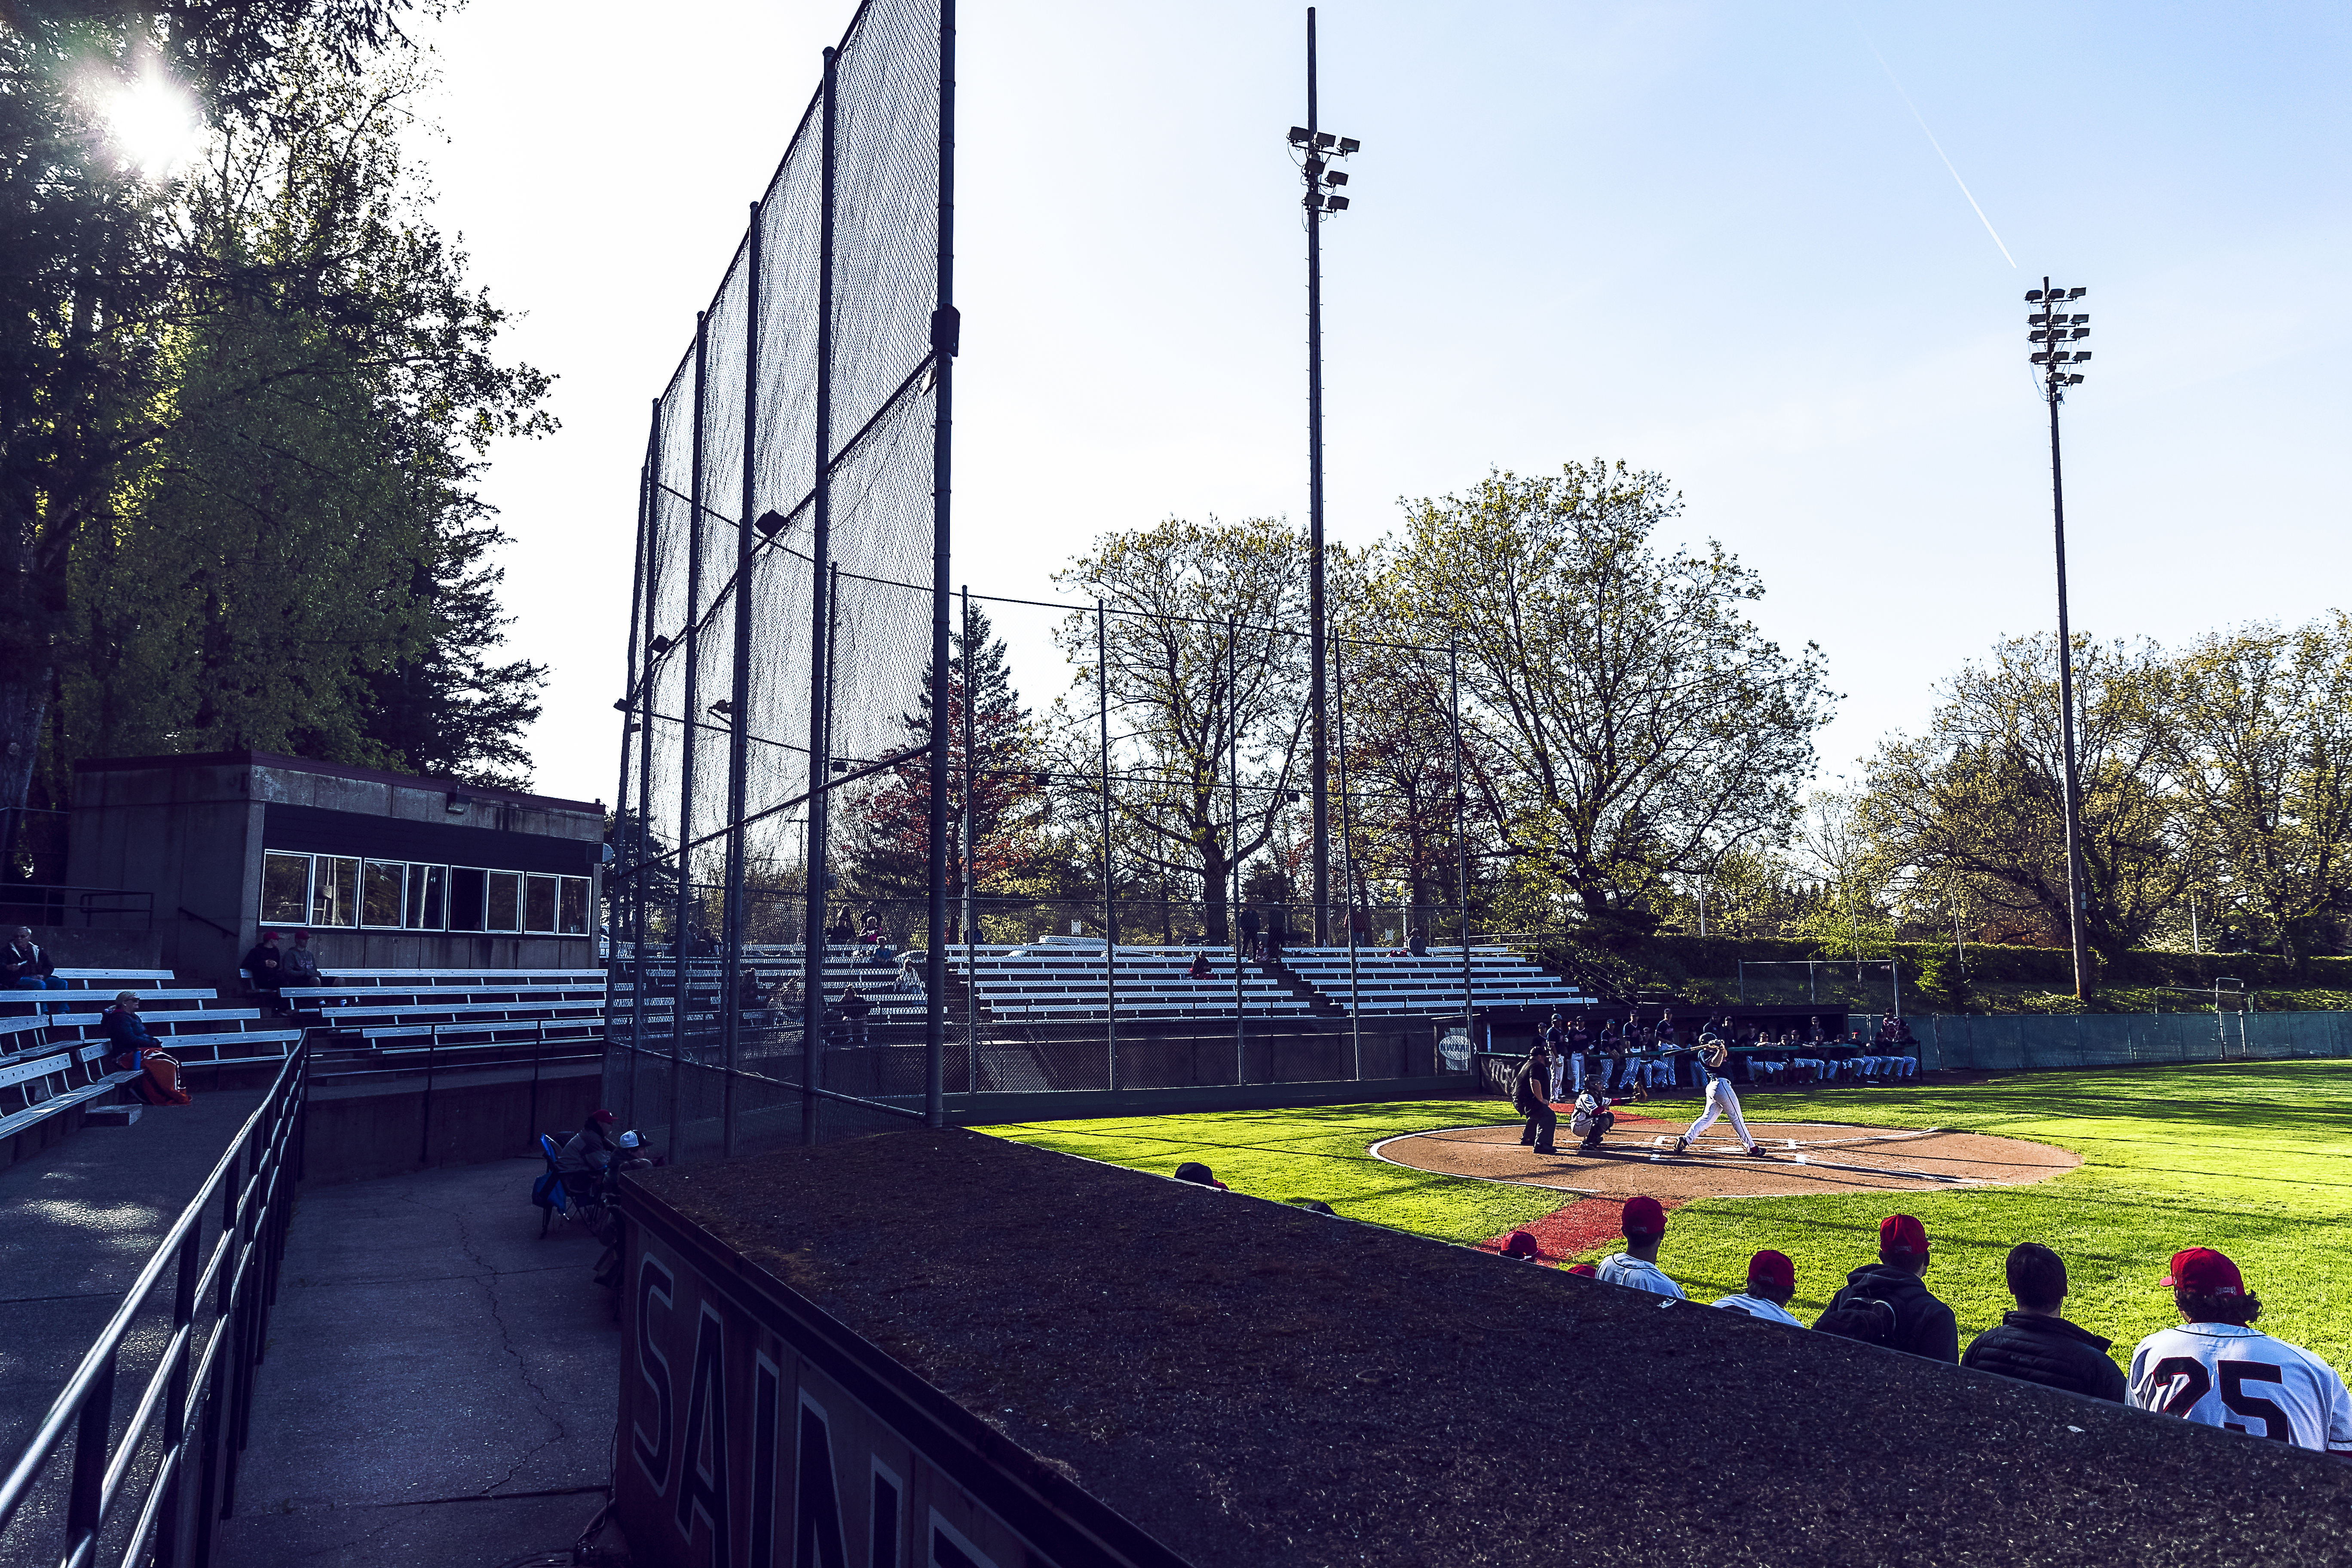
(440, 1386)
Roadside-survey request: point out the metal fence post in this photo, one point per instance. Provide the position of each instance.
(946, 334)
(1233, 774)
(1461, 830)
(1111, 891)
(739, 702)
(682, 938)
(820, 630)
(1347, 853)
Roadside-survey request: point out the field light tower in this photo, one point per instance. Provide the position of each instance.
(1318, 149)
(2053, 321)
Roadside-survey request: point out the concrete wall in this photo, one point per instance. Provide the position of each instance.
(362, 1129)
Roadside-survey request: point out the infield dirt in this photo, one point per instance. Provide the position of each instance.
(1801, 1158)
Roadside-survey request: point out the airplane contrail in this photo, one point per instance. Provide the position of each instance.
(1939, 146)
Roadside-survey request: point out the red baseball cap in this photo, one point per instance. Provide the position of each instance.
(2204, 1272)
(1899, 1233)
(1772, 1270)
(1644, 1217)
(1586, 1269)
(1521, 1244)
(602, 1116)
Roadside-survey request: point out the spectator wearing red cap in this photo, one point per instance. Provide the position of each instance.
(1771, 1280)
(2035, 1344)
(1886, 1304)
(2218, 1369)
(1636, 1267)
(1522, 1244)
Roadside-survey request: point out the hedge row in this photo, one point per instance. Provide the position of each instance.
(1676, 958)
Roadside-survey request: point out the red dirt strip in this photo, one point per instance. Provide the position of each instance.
(1574, 1227)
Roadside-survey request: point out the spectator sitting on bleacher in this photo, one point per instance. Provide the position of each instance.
(853, 1008)
(747, 990)
(1200, 970)
(1416, 944)
(841, 934)
(908, 979)
(266, 966)
(25, 966)
(158, 1082)
(298, 966)
(784, 995)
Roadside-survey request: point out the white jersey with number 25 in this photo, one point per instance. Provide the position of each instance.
(2242, 1378)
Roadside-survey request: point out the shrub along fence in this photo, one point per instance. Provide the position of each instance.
(2018, 1041)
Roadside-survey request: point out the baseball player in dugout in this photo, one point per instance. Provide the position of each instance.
(2217, 1368)
(1771, 1280)
(1636, 1267)
(1885, 1303)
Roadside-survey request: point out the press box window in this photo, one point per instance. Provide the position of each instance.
(467, 888)
(383, 892)
(505, 901)
(284, 890)
(539, 903)
(334, 891)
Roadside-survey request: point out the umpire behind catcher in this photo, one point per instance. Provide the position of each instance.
(1531, 1096)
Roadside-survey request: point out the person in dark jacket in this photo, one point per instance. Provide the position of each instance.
(1923, 1325)
(1249, 935)
(23, 967)
(1531, 1092)
(266, 966)
(2034, 1343)
(854, 1008)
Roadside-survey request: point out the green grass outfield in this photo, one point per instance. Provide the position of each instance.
(2254, 1159)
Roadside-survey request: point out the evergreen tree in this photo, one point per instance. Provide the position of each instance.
(891, 821)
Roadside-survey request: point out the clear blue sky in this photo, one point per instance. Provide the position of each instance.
(1709, 238)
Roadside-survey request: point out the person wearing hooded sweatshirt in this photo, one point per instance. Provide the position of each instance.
(2034, 1343)
(1886, 1304)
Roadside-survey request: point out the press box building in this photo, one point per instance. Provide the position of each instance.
(385, 871)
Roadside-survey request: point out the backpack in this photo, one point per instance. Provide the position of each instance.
(1868, 1318)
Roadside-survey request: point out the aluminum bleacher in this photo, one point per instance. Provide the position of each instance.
(1391, 983)
(1064, 979)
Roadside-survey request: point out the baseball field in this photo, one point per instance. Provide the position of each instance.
(2252, 1159)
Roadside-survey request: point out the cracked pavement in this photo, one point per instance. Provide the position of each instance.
(440, 1385)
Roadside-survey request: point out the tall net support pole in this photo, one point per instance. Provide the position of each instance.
(1346, 856)
(1110, 894)
(945, 331)
(971, 913)
(681, 932)
(739, 704)
(1233, 777)
(619, 887)
(1318, 741)
(1461, 826)
(641, 875)
(820, 801)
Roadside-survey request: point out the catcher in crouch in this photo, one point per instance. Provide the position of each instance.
(1722, 1100)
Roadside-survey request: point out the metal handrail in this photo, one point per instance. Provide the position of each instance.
(254, 1182)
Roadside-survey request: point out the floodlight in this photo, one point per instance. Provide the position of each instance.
(2036, 335)
(1324, 139)
(2080, 333)
(2077, 293)
(2074, 381)
(2080, 319)
(2039, 318)
(1298, 135)
(2039, 359)
(723, 708)
(1338, 204)
(622, 706)
(1315, 198)
(1348, 144)
(659, 645)
(2083, 356)
(770, 523)
(455, 803)
(1290, 795)
(2033, 296)
(841, 764)
(1335, 177)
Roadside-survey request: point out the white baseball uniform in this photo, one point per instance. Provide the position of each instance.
(1722, 1100)
(2221, 1374)
(1624, 1268)
(1758, 1307)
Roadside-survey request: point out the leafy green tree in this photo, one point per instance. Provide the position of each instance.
(98, 278)
(1641, 725)
(2256, 725)
(293, 559)
(1205, 657)
(1977, 799)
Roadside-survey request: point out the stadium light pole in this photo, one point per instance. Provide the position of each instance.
(2048, 326)
(1318, 148)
